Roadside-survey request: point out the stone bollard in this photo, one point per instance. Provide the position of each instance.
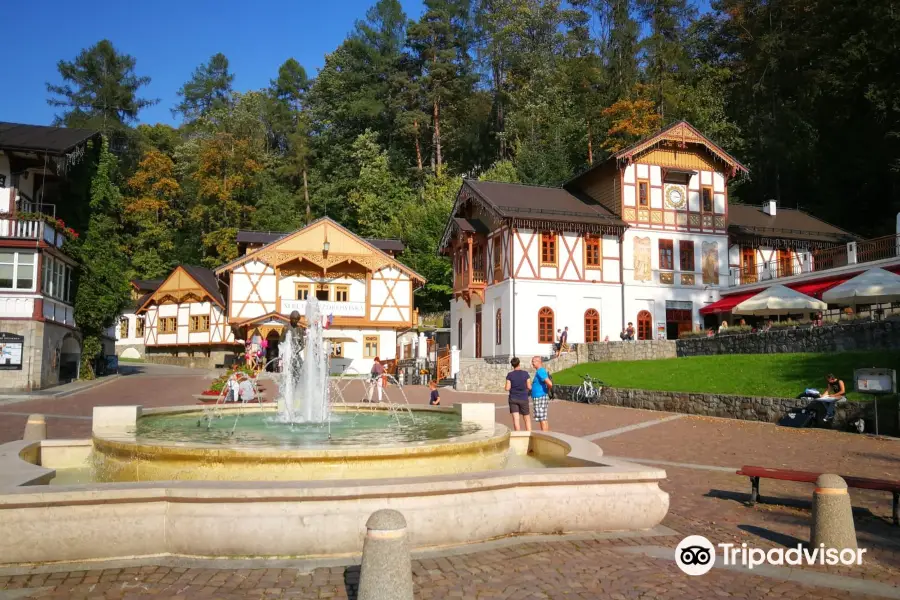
(832, 515)
(386, 572)
(35, 429)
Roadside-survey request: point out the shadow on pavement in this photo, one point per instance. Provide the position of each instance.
(744, 498)
(773, 536)
(351, 581)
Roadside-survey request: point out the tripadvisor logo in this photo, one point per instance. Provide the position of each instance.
(696, 555)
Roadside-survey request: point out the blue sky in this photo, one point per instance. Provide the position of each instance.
(169, 39)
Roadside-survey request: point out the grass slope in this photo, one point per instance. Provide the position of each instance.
(773, 375)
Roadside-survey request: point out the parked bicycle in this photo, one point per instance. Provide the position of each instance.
(590, 391)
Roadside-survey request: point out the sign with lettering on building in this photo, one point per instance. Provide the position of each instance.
(11, 351)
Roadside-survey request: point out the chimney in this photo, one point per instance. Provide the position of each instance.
(769, 207)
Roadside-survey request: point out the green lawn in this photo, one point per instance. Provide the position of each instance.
(773, 375)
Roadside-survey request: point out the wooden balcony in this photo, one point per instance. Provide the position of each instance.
(878, 250)
(30, 230)
(468, 283)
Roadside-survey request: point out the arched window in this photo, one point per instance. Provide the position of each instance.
(645, 325)
(499, 326)
(459, 335)
(545, 326)
(591, 326)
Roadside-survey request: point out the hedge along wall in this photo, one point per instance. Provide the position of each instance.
(845, 337)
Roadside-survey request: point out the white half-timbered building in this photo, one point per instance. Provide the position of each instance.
(184, 322)
(646, 236)
(359, 283)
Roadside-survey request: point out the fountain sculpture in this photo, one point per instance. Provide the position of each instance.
(304, 385)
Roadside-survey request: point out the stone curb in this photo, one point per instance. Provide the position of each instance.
(14, 398)
(309, 564)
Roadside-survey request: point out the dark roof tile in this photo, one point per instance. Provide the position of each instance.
(41, 138)
(787, 223)
(147, 285)
(207, 280)
(513, 200)
(387, 245)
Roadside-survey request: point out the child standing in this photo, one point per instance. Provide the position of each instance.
(435, 396)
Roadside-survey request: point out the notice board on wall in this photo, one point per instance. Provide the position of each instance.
(11, 351)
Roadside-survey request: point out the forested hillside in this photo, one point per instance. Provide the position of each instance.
(806, 94)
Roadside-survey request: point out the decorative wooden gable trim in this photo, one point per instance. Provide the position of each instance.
(307, 245)
(178, 288)
(681, 134)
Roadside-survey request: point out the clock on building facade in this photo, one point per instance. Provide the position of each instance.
(676, 196)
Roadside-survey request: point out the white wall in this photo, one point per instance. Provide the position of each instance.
(569, 302)
(17, 306)
(390, 296)
(183, 334)
(5, 199)
(656, 235)
(353, 360)
(253, 290)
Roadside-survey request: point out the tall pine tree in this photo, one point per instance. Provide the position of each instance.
(103, 288)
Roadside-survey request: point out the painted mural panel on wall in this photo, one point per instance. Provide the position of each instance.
(642, 271)
(711, 263)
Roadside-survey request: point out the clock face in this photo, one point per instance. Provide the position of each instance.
(675, 196)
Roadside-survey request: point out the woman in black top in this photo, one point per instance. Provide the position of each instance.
(518, 385)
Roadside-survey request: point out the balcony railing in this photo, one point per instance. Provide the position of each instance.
(26, 229)
(467, 280)
(876, 249)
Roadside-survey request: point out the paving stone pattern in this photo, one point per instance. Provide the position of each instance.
(584, 570)
(705, 502)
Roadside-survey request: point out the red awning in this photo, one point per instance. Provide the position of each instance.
(817, 288)
(727, 303)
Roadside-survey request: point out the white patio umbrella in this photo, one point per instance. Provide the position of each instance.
(779, 300)
(875, 286)
(337, 336)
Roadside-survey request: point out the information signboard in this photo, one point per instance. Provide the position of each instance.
(875, 381)
(11, 351)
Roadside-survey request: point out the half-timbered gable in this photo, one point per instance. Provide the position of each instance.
(518, 251)
(673, 180)
(185, 313)
(359, 284)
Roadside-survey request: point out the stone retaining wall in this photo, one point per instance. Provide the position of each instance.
(479, 375)
(215, 360)
(621, 351)
(747, 408)
(845, 337)
(489, 374)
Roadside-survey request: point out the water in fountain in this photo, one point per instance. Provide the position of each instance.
(304, 383)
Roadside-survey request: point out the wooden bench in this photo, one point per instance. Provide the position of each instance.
(757, 473)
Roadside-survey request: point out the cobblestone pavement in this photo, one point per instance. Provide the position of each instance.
(704, 500)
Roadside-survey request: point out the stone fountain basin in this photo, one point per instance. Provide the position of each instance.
(122, 456)
(42, 523)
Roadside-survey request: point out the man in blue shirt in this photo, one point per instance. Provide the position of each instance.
(540, 388)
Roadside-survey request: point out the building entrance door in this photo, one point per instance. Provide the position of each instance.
(478, 333)
(678, 318)
(645, 325)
